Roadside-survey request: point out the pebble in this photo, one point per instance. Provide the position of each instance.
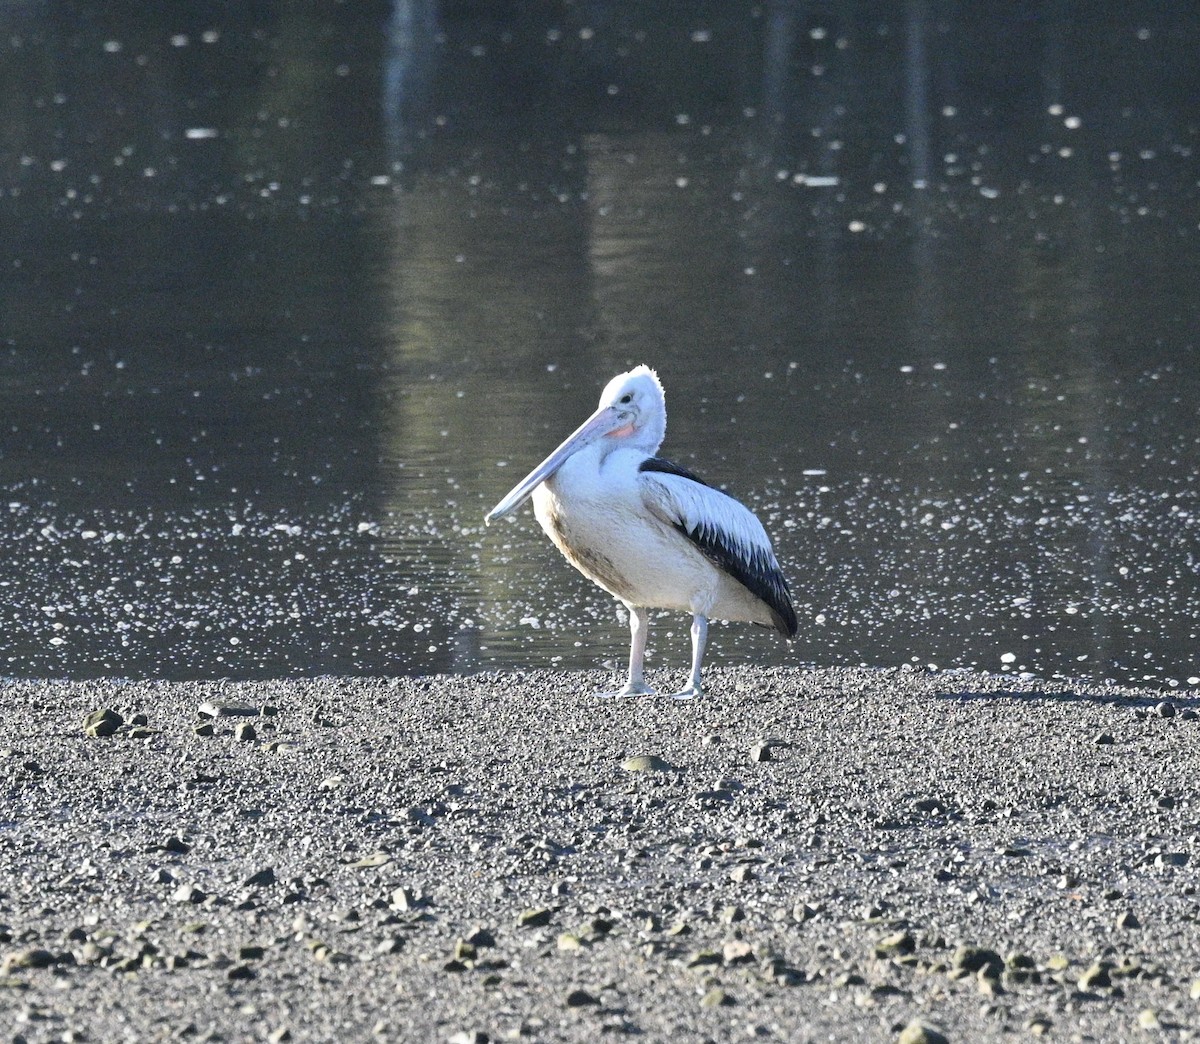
(188, 894)
(974, 958)
(645, 763)
(1128, 920)
(761, 752)
(737, 951)
(261, 879)
(103, 722)
(716, 998)
(245, 733)
(23, 959)
(226, 710)
(1166, 709)
(580, 998)
(895, 945)
(1096, 977)
(534, 918)
(1104, 739)
(917, 1032)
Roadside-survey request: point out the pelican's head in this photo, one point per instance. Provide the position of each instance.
(632, 412)
(637, 397)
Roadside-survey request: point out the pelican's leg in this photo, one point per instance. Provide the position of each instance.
(699, 637)
(639, 625)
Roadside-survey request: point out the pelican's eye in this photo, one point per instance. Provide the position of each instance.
(627, 398)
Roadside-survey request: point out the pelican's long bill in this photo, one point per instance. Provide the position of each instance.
(604, 421)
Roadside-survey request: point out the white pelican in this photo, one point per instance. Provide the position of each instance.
(650, 532)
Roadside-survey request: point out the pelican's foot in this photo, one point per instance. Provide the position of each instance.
(690, 693)
(629, 690)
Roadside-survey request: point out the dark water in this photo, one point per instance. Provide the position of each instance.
(293, 292)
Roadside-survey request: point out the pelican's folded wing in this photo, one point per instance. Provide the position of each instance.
(724, 530)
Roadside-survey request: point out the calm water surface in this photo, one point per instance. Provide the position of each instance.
(292, 294)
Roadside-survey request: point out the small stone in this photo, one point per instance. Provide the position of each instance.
(1104, 739)
(205, 728)
(534, 918)
(25, 959)
(1171, 859)
(732, 914)
(1039, 1025)
(1166, 709)
(251, 953)
(188, 894)
(569, 941)
(404, 899)
(176, 846)
(209, 709)
(240, 973)
(245, 733)
(645, 763)
(917, 1032)
(279, 1036)
(468, 1037)
(702, 958)
(367, 862)
(480, 937)
(103, 722)
(1148, 1019)
(580, 999)
(1128, 920)
(464, 951)
(761, 752)
(1096, 977)
(1194, 990)
(716, 998)
(802, 912)
(737, 951)
(138, 720)
(262, 879)
(973, 958)
(142, 733)
(742, 874)
(895, 945)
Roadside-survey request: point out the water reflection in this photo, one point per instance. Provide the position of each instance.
(292, 293)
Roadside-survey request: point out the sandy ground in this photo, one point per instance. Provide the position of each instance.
(801, 855)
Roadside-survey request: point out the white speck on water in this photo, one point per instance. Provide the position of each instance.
(57, 640)
(113, 46)
(906, 369)
(814, 472)
(531, 621)
(1008, 658)
(200, 133)
(701, 35)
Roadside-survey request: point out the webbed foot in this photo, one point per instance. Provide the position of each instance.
(629, 690)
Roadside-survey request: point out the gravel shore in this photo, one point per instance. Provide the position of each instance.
(801, 855)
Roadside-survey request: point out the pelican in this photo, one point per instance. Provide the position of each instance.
(649, 532)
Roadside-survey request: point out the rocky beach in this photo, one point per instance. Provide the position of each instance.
(802, 855)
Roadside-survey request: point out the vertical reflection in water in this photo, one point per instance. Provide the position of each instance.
(916, 89)
(409, 65)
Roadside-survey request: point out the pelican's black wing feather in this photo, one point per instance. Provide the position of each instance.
(749, 559)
